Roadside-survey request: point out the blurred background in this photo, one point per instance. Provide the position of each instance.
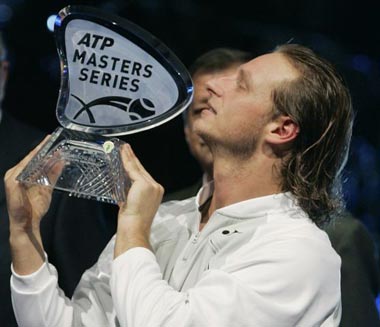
(345, 32)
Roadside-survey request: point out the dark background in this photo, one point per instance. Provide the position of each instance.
(345, 32)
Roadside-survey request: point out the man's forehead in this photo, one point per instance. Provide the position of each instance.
(273, 67)
(203, 77)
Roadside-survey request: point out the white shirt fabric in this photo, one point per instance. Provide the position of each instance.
(260, 262)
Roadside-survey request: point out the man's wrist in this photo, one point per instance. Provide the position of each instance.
(130, 238)
(19, 233)
(23, 228)
(27, 251)
(137, 230)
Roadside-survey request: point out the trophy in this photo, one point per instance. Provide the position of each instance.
(116, 79)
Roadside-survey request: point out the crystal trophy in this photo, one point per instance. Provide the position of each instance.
(116, 79)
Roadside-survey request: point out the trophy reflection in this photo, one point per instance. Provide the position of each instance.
(116, 79)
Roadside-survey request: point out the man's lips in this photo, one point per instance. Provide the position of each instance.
(209, 108)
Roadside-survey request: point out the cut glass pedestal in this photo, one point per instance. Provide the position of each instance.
(90, 166)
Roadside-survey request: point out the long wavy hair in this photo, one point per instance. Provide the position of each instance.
(320, 103)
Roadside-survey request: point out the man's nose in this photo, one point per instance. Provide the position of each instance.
(216, 86)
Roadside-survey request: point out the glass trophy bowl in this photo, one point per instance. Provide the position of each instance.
(116, 79)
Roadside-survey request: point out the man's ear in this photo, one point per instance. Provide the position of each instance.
(282, 130)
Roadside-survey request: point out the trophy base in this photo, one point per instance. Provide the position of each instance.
(90, 166)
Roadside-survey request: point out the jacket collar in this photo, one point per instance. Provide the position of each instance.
(251, 208)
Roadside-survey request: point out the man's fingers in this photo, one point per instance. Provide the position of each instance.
(132, 165)
(142, 183)
(53, 169)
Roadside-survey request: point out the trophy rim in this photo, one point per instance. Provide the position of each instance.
(133, 32)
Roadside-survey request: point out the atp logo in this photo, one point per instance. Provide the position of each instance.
(136, 109)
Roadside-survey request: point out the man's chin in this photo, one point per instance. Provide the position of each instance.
(200, 126)
(207, 138)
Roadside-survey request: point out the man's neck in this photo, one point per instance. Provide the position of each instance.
(236, 181)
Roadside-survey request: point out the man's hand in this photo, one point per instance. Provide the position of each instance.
(137, 212)
(27, 204)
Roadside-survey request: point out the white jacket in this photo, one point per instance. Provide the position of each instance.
(260, 262)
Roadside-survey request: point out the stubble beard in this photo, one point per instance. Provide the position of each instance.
(241, 149)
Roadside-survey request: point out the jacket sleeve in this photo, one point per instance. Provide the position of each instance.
(37, 300)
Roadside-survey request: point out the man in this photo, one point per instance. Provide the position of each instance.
(351, 240)
(248, 250)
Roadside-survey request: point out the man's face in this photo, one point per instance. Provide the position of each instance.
(197, 146)
(239, 106)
